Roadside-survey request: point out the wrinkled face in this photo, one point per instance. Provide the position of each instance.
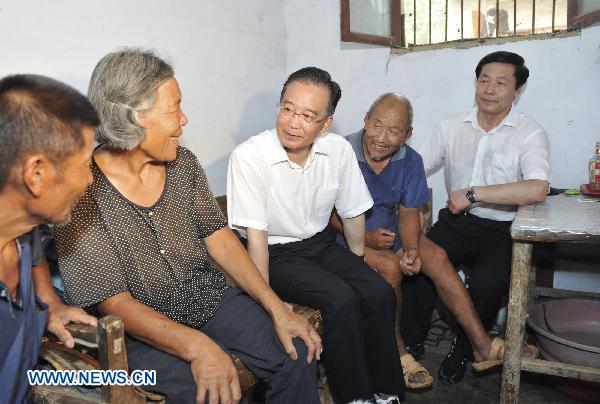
(163, 123)
(66, 187)
(386, 129)
(302, 116)
(496, 89)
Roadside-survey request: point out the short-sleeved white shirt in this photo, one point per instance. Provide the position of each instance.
(267, 191)
(517, 149)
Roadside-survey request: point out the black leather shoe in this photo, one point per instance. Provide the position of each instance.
(416, 350)
(452, 369)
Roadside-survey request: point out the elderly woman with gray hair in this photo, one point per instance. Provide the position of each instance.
(142, 246)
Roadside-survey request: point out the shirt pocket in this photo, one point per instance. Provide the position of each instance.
(504, 169)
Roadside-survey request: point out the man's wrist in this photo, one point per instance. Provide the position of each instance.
(52, 300)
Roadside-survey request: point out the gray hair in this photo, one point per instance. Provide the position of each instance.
(124, 84)
(399, 97)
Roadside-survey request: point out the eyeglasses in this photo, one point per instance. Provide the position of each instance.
(308, 119)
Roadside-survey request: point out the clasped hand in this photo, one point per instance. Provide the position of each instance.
(457, 201)
(410, 263)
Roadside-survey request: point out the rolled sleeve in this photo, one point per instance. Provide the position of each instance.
(433, 149)
(535, 160)
(353, 196)
(246, 194)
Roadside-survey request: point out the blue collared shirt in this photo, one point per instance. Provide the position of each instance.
(402, 181)
(22, 327)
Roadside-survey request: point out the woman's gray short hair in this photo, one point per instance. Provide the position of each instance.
(123, 84)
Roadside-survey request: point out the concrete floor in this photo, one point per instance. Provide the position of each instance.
(481, 388)
(475, 388)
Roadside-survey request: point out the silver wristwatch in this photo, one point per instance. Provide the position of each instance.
(470, 195)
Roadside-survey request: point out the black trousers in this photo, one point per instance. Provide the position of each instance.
(358, 309)
(484, 247)
(240, 326)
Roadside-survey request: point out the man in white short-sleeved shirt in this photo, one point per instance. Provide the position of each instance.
(282, 185)
(494, 160)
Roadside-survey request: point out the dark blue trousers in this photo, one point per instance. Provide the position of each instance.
(241, 327)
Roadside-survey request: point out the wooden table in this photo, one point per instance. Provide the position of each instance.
(560, 218)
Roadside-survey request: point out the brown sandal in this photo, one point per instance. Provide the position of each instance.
(411, 367)
(496, 356)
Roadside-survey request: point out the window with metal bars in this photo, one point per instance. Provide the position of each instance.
(412, 23)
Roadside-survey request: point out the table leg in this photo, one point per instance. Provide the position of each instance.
(531, 288)
(515, 325)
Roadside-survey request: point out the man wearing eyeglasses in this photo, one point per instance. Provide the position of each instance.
(282, 186)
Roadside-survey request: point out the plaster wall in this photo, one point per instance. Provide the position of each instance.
(229, 57)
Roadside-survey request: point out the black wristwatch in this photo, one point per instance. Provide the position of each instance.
(470, 195)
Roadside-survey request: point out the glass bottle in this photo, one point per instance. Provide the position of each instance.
(594, 168)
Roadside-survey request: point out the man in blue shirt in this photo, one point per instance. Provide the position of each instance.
(46, 143)
(394, 243)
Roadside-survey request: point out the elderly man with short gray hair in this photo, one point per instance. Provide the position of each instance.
(394, 245)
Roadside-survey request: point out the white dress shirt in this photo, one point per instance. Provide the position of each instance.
(267, 191)
(515, 150)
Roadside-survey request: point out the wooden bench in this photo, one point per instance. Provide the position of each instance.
(103, 347)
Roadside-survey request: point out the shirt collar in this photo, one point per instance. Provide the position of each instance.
(509, 120)
(356, 140)
(277, 154)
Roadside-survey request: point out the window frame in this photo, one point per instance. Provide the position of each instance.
(397, 40)
(397, 27)
(576, 22)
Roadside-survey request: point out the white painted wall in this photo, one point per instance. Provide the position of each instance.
(563, 92)
(229, 57)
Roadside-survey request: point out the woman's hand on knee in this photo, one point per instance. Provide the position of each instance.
(215, 375)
